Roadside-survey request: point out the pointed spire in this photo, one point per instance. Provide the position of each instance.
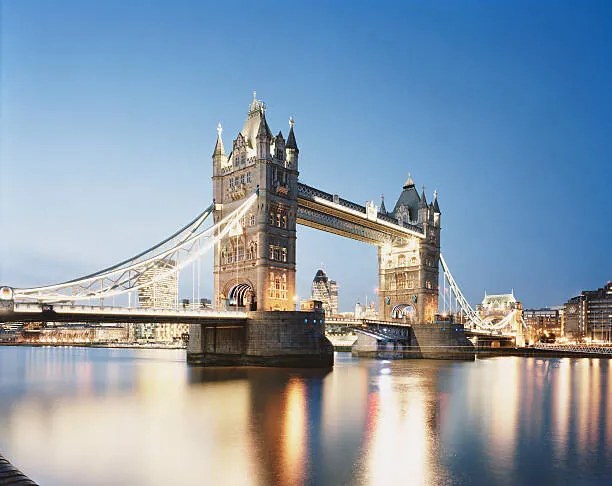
(409, 182)
(436, 208)
(423, 201)
(256, 106)
(382, 209)
(219, 149)
(264, 130)
(291, 143)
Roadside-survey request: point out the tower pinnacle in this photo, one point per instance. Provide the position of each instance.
(291, 143)
(219, 149)
(409, 182)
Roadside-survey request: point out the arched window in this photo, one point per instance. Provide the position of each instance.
(401, 261)
(240, 251)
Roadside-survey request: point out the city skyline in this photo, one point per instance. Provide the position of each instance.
(114, 130)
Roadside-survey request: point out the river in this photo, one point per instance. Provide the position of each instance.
(93, 416)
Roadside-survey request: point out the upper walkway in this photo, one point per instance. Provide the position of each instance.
(31, 312)
(329, 212)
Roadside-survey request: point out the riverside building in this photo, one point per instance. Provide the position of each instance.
(589, 315)
(160, 291)
(326, 291)
(543, 322)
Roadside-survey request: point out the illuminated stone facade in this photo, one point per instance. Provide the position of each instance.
(255, 268)
(326, 291)
(408, 273)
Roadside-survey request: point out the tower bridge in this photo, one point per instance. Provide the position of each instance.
(258, 203)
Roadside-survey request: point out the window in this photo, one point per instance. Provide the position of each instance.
(252, 219)
(401, 261)
(231, 183)
(248, 177)
(242, 179)
(284, 221)
(240, 251)
(277, 252)
(278, 286)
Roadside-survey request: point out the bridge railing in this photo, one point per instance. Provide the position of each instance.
(87, 309)
(575, 348)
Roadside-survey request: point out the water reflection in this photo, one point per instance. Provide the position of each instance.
(95, 416)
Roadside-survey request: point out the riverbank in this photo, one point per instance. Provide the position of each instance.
(96, 345)
(538, 353)
(9, 474)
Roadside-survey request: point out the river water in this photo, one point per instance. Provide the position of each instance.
(80, 416)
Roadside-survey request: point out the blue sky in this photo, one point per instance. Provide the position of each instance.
(109, 112)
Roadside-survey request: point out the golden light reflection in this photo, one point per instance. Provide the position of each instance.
(504, 413)
(399, 436)
(293, 451)
(561, 409)
(170, 430)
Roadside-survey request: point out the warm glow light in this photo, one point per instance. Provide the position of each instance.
(294, 437)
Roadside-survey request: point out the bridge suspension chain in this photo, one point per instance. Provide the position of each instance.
(471, 315)
(160, 261)
(473, 318)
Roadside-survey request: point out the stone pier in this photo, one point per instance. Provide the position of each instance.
(267, 338)
(440, 340)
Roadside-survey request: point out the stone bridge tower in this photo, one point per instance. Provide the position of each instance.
(408, 273)
(255, 269)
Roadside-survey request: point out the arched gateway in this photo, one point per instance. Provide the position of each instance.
(242, 295)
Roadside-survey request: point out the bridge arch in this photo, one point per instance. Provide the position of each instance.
(406, 312)
(241, 294)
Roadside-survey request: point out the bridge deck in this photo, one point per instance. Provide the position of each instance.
(95, 314)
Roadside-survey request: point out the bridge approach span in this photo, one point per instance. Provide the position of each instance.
(27, 312)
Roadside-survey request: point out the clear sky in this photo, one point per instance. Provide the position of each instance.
(109, 112)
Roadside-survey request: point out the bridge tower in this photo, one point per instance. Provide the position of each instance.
(408, 272)
(254, 266)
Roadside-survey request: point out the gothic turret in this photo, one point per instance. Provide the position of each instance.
(383, 209)
(423, 207)
(218, 156)
(291, 147)
(264, 137)
(279, 147)
(436, 209)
